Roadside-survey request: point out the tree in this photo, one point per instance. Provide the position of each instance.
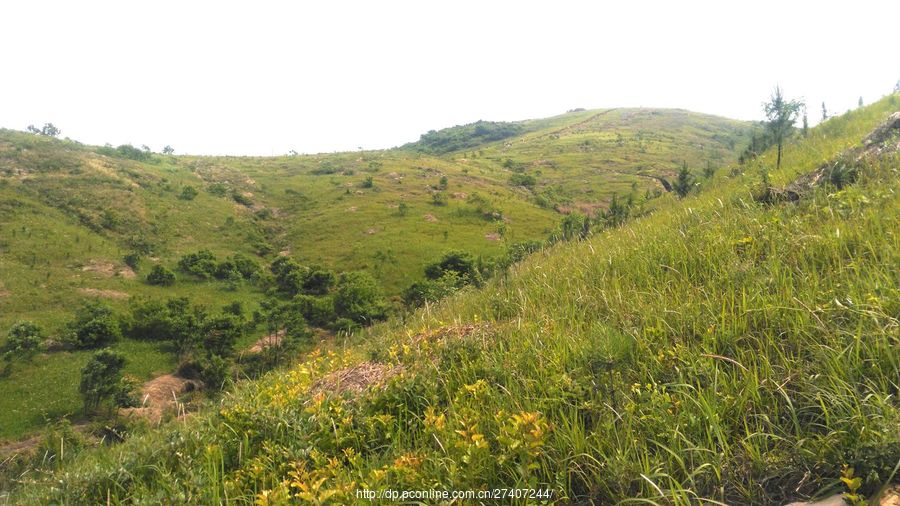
(160, 276)
(101, 379)
(94, 326)
(168, 150)
(22, 341)
(48, 130)
(805, 123)
(860, 102)
(403, 209)
(684, 183)
(897, 87)
(781, 114)
(824, 112)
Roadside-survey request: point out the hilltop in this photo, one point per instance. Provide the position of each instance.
(731, 347)
(73, 216)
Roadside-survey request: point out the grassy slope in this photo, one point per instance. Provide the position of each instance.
(54, 194)
(718, 349)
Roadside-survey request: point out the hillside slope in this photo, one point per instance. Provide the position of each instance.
(70, 213)
(721, 349)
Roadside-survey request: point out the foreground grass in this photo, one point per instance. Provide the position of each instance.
(718, 350)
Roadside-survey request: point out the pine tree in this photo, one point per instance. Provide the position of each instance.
(781, 114)
(824, 112)
(685, 181)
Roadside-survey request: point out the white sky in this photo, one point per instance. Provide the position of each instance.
(261, 77)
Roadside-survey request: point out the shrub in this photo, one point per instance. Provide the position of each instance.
(526, 180)
(242, 199)
(202, 264)
(217, 189)
(358, 298)
(368, 182)
(318, 311)
(101, 379)
(431, 290)
(439, 199)
(214, 372)
(160, 276)
(462, 263)
(132, 260)
(188, 193)
(94, 326)
(22, 341)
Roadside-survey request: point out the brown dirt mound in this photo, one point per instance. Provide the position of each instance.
(109, 294)
(371, 231)
(492, 236)
(351, 209)
(430, 218)
(355, 379)
(159, 395)
(460, 195)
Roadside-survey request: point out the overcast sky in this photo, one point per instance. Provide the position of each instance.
(267, 77)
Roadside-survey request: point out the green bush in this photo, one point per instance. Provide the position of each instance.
(318, 311)
(101, 379)
(22, 341)
(132, 260)
(526, 180)
(188, 193)
(202, 264)
(431, 290)
(95, 325)
(160, 276)
(461, 263)
(358, 298)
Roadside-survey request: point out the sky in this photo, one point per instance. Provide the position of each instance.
(264, 78)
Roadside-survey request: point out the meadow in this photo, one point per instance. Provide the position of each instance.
(722, 349)
(71, 213)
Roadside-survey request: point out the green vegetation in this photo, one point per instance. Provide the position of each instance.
(101, 380)
(465, 136)
(721, 348)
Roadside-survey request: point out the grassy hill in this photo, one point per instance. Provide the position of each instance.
(70, 213)
(729, 348)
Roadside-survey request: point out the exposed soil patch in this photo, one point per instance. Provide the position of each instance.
(430, 218)
(269, 341)
(106, 269)
(461, 195)
(108, 294)
(160, 395)
(126, 273)
(371, 231)
(355, 379)
(5, 293)
(494, 236)
(351, 209)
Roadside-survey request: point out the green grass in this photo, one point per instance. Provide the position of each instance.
(63, 206)
(718, 350)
